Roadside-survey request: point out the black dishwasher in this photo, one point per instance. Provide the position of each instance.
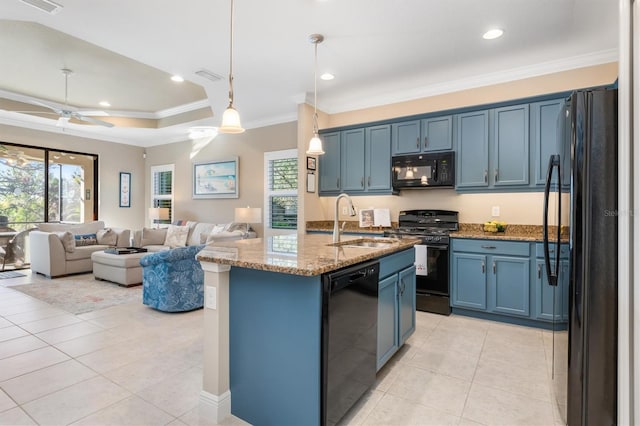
(349, 337)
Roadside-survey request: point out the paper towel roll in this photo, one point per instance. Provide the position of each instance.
(421, 260)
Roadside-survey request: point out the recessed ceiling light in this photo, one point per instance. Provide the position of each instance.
(327, 76)
(493, 33)
(177, 78)
(105, 103)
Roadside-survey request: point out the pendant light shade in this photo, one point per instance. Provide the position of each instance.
(230, 117)
(315, 144)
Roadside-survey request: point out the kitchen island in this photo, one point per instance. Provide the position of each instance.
(263, 321)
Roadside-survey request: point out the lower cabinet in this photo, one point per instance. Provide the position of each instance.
(507, 278)
(396, 303)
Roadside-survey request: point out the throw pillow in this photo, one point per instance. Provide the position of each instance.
(107, 237)
(85, 240)
(216, 229)
(153, 237)
(67, 240)
(176, 236)
(235, 226)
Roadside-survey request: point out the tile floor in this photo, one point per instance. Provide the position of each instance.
(131, 365)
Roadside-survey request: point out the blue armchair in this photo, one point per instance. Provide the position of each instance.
(173, 280)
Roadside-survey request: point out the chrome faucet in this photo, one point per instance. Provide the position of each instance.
(352, 212)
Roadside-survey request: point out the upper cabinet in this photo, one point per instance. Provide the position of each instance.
(544, 136)
(510, 165)
(356, 161)
(472, 150)
(426, 135)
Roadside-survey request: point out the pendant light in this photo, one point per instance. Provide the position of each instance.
(230, 117)
(315, 144)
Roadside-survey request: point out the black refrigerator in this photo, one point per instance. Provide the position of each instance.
(582, 183)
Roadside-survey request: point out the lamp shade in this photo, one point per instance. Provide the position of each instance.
(158, 213)
(230, 121)
(315, 146)
(248, 215)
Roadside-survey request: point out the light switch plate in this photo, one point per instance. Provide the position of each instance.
(495, 211)
(211, 297)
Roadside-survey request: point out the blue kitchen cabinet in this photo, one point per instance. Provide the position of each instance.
(544, 134)
(437, 133)
(378, 158)
(405, 137)
(472, 149)
(396, 303)
(510, 146)
(329, 163)
(509, 285)
(352, 160)
(469, 281)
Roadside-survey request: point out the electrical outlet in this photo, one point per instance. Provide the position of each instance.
(495, 211)
(345, 210)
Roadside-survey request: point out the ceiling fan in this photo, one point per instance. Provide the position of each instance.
(68, 112)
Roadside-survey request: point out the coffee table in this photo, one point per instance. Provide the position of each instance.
(123, 269)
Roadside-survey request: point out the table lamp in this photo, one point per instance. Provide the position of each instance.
(248, 215)
(156, 214)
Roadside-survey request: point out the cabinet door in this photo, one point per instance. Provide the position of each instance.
(469, 281)
(511, 146)
(407, 303)
(406, 137)
(472, 156)
(544, 134)
(510, 285)
(387, 319)
(352, 160)
(436, 133)
(378, 158)
(544, 295)
(329, 163)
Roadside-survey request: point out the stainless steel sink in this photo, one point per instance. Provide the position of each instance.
(365, 243)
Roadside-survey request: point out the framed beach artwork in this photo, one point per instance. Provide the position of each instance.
(125, 189)
(215, 179)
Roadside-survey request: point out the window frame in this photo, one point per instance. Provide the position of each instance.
(268, 193)
(159, 169)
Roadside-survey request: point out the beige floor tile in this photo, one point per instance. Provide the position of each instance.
(392, 410)
(21, 306)
(62, 334)
(15, 417)
(465, 342)
(467, 422)
(29, 361)
(20, 345)
(132, 411)
(39, 383)
(192, 418)
(45, 312)
(386, 376)
(523, 356)
(90, 343)
(178, 422)
(512, 378)
(118, 355)
(361, 409)
(11, 332)
(50, 323)
(444, 393)
(5, 323)
(146, 372)
(447, 362)
(6, 402)
(14, 298)
(491, 406)
(79, 401)
(177, 394)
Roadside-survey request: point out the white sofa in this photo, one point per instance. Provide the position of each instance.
(198, 233)
(53, 254)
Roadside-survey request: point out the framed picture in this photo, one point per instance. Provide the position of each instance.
(311, 182)
(215, 179)
(125, 189)
(311, 163)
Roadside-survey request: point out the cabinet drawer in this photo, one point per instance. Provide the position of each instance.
(395, 262)
(491, 247)
(564, 250)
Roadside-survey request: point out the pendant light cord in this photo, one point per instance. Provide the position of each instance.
(231, 60)
(315, 90)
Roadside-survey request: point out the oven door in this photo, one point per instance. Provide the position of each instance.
(432, 269)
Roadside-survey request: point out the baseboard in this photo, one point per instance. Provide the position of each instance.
(214, 408)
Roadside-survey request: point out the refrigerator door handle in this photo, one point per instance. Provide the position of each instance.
(552, 276)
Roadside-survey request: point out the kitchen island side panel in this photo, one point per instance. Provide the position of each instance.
(275, 347)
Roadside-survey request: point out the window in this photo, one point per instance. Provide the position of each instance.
(162, 188)
(281, 192)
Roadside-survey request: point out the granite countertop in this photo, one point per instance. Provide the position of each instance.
(298, 254)
(513, 233)
(351, 226)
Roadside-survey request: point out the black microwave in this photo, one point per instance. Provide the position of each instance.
(426, 170)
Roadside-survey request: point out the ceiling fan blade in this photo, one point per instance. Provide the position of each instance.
(91, 113)
(35, 112)
(92, 120)
(45, 105)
